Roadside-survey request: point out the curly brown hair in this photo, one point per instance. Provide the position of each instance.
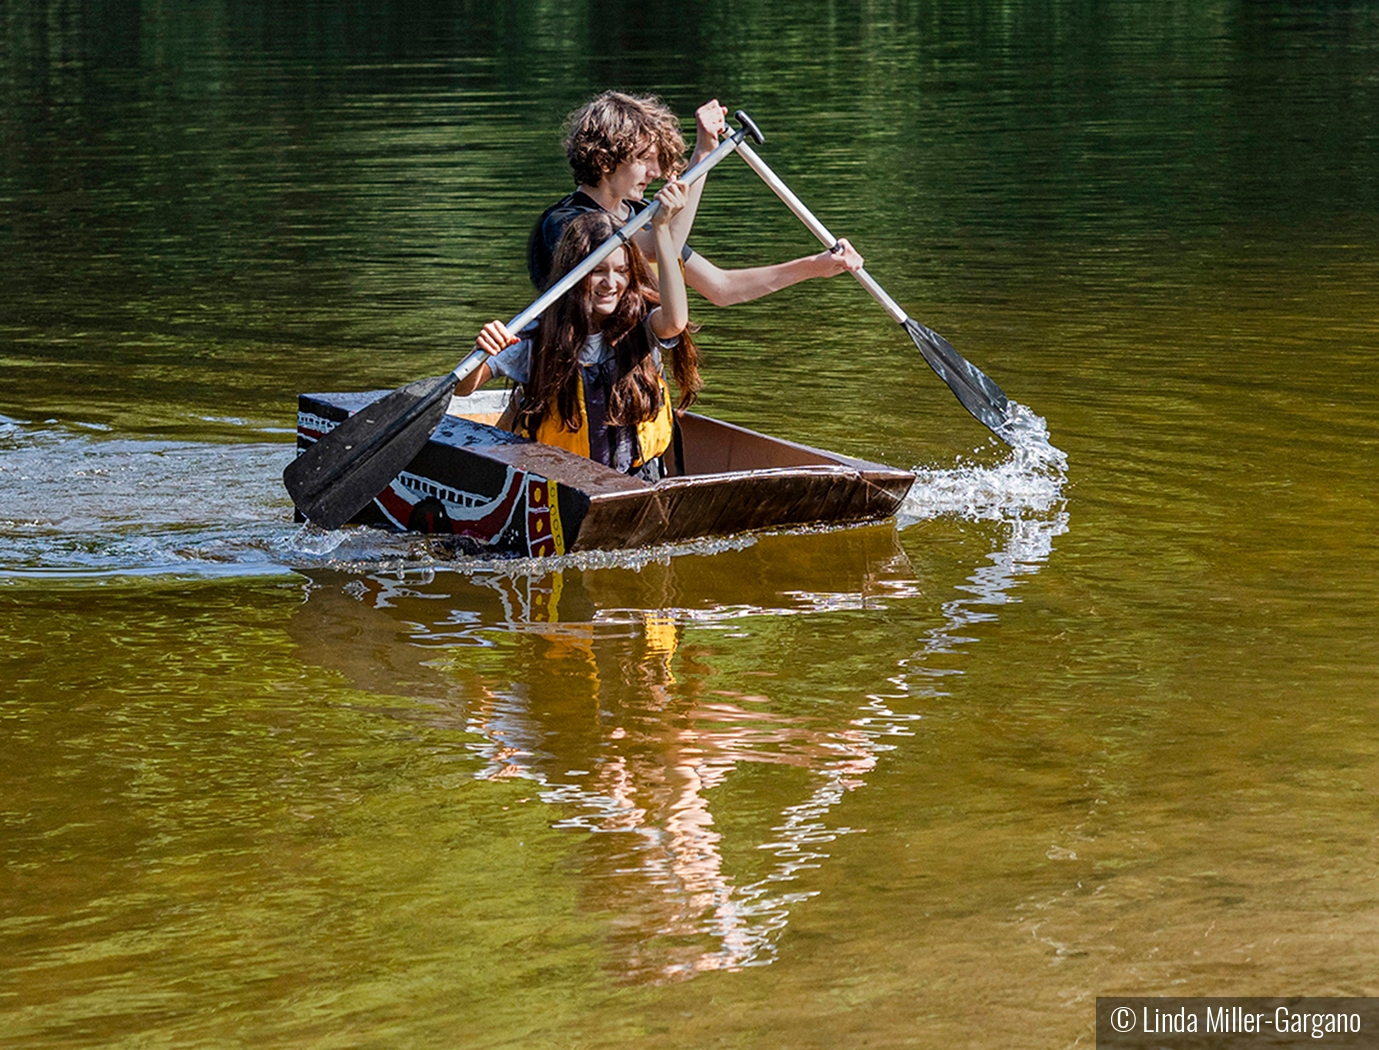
(615, 127)
(553, 383)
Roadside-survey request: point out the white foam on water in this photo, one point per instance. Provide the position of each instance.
(1027, 483)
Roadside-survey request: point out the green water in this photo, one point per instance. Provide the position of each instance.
(1057, 732)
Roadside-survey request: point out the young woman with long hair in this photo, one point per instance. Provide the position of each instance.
(590, 379)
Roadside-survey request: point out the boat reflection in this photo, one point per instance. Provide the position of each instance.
(627, 696)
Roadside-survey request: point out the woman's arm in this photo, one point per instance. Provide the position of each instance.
(494, 337)
(729, 287)
(670, 318)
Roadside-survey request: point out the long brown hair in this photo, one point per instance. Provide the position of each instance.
(553, 380)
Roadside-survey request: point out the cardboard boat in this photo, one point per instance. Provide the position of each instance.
(492, 492)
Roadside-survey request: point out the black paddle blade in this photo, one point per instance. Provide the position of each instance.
(337, 477)
(973, 387)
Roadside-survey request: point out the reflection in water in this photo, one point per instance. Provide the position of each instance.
(616, 724)
(662, 751)
(609, 688)
(1025, 494)
(617, 718)
(1028, 545)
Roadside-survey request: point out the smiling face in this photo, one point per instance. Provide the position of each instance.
(607, 282)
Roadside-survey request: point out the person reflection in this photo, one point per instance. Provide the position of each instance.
(699, 801)
(632, 752)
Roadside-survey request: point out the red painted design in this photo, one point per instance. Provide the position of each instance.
(487, 527)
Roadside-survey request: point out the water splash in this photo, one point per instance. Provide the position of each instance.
(77, 504)
(311, 539)
(1029, 482)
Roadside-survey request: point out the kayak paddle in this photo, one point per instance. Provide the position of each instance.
(973, 387)
(335, 478)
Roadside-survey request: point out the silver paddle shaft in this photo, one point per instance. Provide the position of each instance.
(633, 226)
(818, 229)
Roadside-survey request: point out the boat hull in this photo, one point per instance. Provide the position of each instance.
(490, 491)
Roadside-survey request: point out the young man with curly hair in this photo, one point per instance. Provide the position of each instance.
(618, 144)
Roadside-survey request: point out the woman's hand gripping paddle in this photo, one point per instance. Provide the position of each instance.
(973, 387)
(335, 478)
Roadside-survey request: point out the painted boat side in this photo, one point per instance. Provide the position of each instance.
(497, 492)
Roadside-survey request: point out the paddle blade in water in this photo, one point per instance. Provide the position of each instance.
(336, 477)
(973, 387)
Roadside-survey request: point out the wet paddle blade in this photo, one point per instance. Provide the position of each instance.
(973, 387)
(337, 477)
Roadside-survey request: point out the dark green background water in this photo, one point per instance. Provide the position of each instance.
(1060, 732)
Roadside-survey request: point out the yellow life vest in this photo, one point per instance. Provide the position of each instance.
(653, 435)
